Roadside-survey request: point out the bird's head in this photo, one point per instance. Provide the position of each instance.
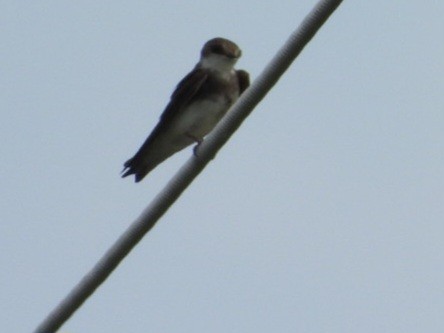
(219, 54)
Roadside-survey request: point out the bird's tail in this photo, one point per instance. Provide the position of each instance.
(137, 167)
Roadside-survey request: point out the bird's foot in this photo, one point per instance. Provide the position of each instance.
(198, 142)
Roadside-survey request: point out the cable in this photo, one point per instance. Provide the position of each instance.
(207, 150)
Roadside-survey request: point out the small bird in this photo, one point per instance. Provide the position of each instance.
(199, 101)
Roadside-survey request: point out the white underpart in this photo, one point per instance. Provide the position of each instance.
(199, 118)
(219, 63)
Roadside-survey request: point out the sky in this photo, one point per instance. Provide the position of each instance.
(323, 213)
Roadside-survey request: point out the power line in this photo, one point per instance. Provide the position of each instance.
(207, 150)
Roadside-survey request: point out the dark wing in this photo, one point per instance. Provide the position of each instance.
(244, 80)
(182, 95)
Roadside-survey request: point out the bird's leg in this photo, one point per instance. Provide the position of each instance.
(197, 140)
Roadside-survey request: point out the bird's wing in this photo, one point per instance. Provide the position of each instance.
(184, 93)
(244, 80)
(182, 96)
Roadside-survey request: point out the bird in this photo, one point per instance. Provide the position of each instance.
(198, 103)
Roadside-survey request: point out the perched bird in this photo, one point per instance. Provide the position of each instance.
(199, 101)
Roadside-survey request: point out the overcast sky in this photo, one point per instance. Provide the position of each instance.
(324, 213)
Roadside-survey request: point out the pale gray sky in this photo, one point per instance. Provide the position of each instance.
(324, 213)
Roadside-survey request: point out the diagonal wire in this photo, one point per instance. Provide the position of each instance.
(207, 150)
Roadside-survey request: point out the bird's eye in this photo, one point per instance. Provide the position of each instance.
(217, 49)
